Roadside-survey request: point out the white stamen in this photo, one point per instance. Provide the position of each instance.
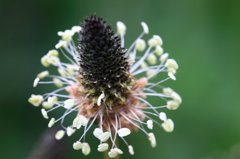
(171, 75)
(103, 147)
(35, 100)
(69, 103)
(124, 132)
(97, 132)
(100, 99)
(158, 39)
(159, 50)
(152, 139)
(145, 27)
(163, 116)
(105, 136)
(77, 145)
(70, 131)
(130, 150)
(172, 105)
(164, 57)
(59, 135)
(140, 44)
(43, 74)
(86, 148)
(168, 125)
(121, 28)
(44, 113)
(51, 122)
(36, 81)
(150, 124)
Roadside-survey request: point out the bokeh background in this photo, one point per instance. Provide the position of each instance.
(202, 35)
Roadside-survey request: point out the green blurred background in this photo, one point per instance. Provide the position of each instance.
(202, 35)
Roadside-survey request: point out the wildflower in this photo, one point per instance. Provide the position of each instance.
(100, 84)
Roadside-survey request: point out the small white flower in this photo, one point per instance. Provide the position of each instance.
(36, 81)
(103, 147)
(152, 59)
(43, 74)
(168, 125)
(130, 150)
(152, 139)
(164, 57)
(35, 100)
(70, 131)
(57, 82)
(145, 27)
(44, 113)
(159, 50)
(100, 99)
(77, 145)
(51, 122)
(163, 116)
(140, 44)
(86, 148)
(124, 132)
(150, 124)
(158, 39)
(69, 103)
(121, 28)
(172, 105)
(105, 136)
(59, 135)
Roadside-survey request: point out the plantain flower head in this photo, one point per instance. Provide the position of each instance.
(104, 84)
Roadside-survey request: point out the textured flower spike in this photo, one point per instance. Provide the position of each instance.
(100, 84)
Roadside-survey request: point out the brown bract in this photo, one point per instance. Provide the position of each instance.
(115, 116)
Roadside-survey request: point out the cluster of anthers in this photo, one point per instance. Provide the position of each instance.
(101, 83)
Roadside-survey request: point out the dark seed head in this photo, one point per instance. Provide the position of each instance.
(104, 68)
